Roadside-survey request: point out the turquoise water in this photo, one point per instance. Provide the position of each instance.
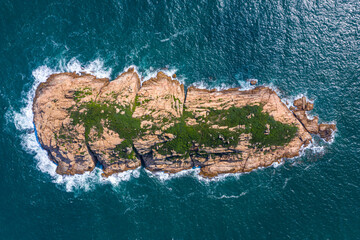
(297, 47)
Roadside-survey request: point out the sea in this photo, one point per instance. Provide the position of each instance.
(297, 47)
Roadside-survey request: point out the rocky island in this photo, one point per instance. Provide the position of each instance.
(83, 121)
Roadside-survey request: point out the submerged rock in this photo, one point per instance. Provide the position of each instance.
(82, 121)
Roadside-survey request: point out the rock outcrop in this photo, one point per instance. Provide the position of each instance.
(70, 145)
(83, 121)
(243, 157)
(312, 125)
(160, 104)
(120, 93)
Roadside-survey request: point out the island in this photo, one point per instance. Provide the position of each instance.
(83, 121)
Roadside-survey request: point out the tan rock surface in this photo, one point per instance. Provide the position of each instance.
(158, 105)
(199, 101)
(312, 125)
(160, 101)
(121, 91)
(51, 117)
(160, 97)
(64, 142)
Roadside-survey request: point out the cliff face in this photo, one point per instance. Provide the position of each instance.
(62, 104)
(83, 121)
(160, 105)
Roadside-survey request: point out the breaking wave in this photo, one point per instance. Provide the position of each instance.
(23, 121)
(169, 71)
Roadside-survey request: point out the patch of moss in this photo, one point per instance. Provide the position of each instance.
(165, 120)
(95, 115)
(121, 150)
(81, 93)
(255, 121)
(145, 101)
(136, 103)
(201, 133)
(252, 117)
(176, 99)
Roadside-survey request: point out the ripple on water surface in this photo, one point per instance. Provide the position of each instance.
(87, 181)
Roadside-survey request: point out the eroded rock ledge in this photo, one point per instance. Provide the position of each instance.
(82, 121)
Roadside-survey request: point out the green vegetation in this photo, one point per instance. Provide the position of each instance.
(202, 134)
(136, 103)
(146, 101)
(121, 150)
(97, 115)
(176, 99)
(251, 117)
(279, 135)
(81, 93)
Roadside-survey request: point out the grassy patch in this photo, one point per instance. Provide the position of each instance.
(98, 115)
(95, 115)
(255, 121)
(252, 117)
(81, 93)
(136, 103)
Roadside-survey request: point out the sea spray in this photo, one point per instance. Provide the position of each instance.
(23, 120)
(151, 73)
(218, 87)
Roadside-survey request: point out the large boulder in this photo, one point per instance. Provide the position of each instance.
(160, 103)
(64, 141)
(311, 124)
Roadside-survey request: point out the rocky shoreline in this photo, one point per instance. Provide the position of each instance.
(122, 124)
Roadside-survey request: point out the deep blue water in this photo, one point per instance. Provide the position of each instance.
(309, 47)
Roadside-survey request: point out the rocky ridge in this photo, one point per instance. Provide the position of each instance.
(83, 121)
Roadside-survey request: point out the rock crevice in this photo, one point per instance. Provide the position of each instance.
(83, 121)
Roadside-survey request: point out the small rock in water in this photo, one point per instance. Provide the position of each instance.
(253, 81)
(156, 105)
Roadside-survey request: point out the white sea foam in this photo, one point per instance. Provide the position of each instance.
(152, 72)
(285, 183)
(165, 40)
(95, 67)
(316, 146)
(242, 84)
(220, 177)
(277, 163)
(175, 35)
(201, 85)
(23, 121)
(245, 85)
(232, 196)
(136, 69)
(204, 85)
(162, 176)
